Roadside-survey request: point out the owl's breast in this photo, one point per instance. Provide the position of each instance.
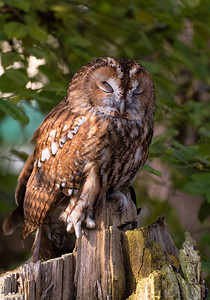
(124, 153)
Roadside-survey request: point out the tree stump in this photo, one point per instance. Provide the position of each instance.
(113, 261)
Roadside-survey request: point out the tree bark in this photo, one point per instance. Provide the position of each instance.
(113, 261)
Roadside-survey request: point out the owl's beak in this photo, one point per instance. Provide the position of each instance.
(122, 107)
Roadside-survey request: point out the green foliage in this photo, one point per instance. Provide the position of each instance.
(198, 185)
(14, 111)
(170, 38)
(152, 170)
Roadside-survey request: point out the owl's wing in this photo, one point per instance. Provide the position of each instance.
(59, 164)
(53, 172)
(16, 218)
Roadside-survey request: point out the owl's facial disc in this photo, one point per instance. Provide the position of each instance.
(119, 94)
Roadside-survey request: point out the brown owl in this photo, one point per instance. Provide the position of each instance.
(94, 141)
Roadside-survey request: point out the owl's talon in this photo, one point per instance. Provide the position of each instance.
(78, 230)
(90, 223)
(121, 209)
(70, 228)
(121, 200)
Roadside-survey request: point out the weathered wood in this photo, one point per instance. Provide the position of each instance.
(153, 273)
(100, 254)
(68, 277)
(158, 232)
(46, 280)
(112, 263)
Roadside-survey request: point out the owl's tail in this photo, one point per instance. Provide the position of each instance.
(15, 219)
(52, 240)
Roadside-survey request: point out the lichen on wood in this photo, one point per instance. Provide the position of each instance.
(153, 273)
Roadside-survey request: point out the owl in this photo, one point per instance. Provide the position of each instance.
(94, 141)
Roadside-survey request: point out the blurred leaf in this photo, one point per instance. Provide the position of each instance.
(152, 170)
(37, 52)
(192, 3)
(13, 80)
(14, 111)
(79, 41)
(20, 154)
(146, 40)
(60, 8)
(205, 238)
(199, 184)
(58, 87)
(9, 58)
(23, 4)
(205, 266)
(204, 150)
(8, 182)
(145, 16)
(152, 67)
(197, 112)
(38, 33)
(204, 132)
(204, 211)
(17, 75)
(15, 30)
(159, 138)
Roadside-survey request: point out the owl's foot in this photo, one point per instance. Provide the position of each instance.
(121, 201)
(76, 219)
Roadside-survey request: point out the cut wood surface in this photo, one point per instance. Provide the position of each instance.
(113, 261)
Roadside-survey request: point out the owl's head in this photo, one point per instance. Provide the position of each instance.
(120, 88)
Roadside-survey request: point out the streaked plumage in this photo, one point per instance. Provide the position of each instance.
(95, 141)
